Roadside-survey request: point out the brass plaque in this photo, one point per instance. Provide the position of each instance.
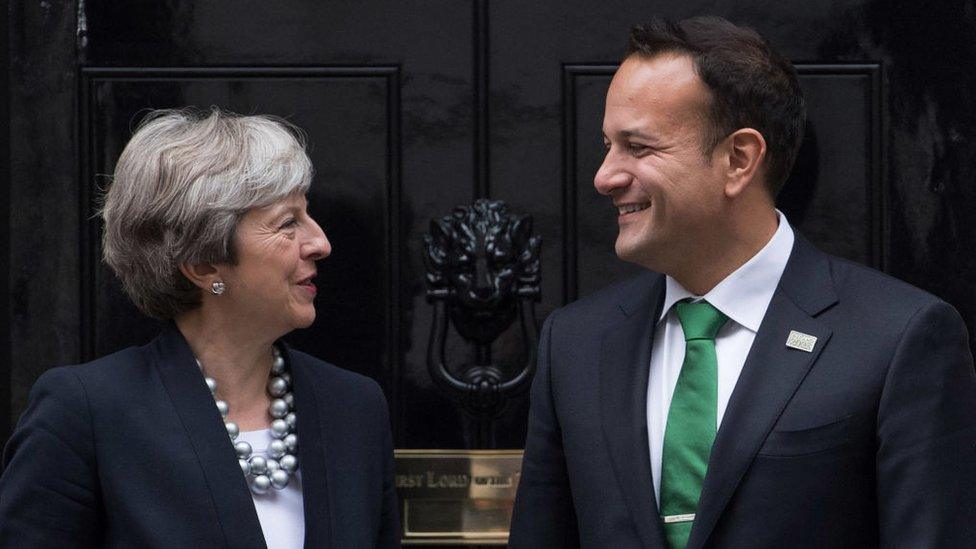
(457, 497)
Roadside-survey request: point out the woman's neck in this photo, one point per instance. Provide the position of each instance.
(237, 359)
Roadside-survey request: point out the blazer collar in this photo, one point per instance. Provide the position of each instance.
(770, 376)
(231, 497)
(312, 450)
(625, 355)
(204, 427)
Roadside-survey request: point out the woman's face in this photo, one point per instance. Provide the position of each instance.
(277, 247)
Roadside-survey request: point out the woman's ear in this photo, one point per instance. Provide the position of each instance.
(201, 275)
(747, 156)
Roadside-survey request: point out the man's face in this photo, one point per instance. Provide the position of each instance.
(668, 194)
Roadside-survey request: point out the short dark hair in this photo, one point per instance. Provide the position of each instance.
(752, 85)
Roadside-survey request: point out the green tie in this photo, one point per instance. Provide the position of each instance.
(692, 421)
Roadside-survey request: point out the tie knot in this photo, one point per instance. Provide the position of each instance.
(699, 320)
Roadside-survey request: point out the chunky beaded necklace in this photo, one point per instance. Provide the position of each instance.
(276, 470)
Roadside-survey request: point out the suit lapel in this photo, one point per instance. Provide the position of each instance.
(205, 428)
(625, 359)
(770, 376)
(312, 453)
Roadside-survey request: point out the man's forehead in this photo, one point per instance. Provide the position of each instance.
(661, 87)
(656, 77)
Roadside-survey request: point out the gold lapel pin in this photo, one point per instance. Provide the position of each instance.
(801, 341)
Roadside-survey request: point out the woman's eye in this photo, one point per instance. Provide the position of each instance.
(289, 223)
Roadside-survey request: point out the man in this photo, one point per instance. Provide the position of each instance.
(748, 390)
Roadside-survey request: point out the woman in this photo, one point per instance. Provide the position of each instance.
(215, 434)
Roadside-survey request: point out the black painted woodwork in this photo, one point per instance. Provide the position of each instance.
(5, 173)
(412, 108)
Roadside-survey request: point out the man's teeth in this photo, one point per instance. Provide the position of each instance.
(631, 208)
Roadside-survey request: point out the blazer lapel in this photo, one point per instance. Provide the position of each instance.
(624, 364)
(205, 428)
(770, 376)
(312, 454)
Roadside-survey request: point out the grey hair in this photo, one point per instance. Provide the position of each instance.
(180, 188)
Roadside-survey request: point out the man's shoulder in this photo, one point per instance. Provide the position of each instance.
(861, 284)
(619, 298)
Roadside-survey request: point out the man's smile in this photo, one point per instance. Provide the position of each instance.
(626, 209)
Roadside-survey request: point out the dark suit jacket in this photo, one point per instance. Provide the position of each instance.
(869, 440)
(130, 451)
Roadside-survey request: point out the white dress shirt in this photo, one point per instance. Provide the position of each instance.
(280, 512)
(743, 296)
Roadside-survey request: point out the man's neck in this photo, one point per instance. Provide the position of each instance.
(717, 259)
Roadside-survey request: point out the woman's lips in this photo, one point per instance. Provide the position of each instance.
(308, 286)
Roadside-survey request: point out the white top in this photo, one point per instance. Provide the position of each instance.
(281, 512)
(743, 296)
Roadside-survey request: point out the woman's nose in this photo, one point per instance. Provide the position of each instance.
(317, 246)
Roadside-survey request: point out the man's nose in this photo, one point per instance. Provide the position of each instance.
(610, 176)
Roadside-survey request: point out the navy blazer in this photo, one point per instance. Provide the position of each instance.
(130, 451)
(867, 440)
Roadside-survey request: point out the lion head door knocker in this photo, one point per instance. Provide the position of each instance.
(483, 272)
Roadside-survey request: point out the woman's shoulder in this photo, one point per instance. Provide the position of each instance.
(326, 374)
(326, 370)
(107, 371)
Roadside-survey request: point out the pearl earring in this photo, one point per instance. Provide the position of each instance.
(218, 287)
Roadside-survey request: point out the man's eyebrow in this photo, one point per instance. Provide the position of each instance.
(636, 133)
(627, 134)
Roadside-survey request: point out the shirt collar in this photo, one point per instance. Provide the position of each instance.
(744, 295)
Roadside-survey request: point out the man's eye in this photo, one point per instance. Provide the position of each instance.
(606, 145)
(636, 148)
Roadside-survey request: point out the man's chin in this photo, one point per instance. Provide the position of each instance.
(638, 253)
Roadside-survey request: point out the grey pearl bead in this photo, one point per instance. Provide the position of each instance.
(289, 463)
(211, 384)
(290, 400)
(277, 387)
(291, 442)
(279, 479)
(273, 466)
(223, 408)
(245, 466)
(260, 484)
(259, 465)
(287, 377)
(292, 420)
(279, 408)
(278, 365)
(279, 428)
(243, 449)
(277, 448)
(232, 429)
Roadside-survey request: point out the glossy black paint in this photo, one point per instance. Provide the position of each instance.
(415, 107)
(5, 227)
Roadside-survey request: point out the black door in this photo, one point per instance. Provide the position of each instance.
(412, 108)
